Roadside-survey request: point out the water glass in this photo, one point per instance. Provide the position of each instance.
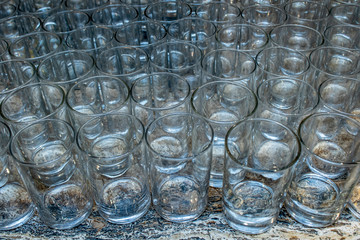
(31, 103)
(34, 47)
(222, 104)
(286, 100)
(14, 74)
(265, 16)
(15, 27)
(48, 162)
(248, 38)
(139, 5)
(179, 148)
(39, 8)
(298, 37)
(344, 36)
(66, 68)
(274, 62)
(158, 94)
(196, 31)
(95, 96)
(114, 151)
(16, 205)
(114, 16)
(258, 168)
(127, 63)
(332, 62)
(276, 3)
(180, 58)
(345, 14)
(166, 12)
(141, 34)
(228, 65)
(220, 14)
(327, 171)
(313, 14)
(87, 6)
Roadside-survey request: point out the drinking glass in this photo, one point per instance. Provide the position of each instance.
(158, 94)
(141, 34)
(15, 27)
(344, 36)
(31, 103)
(222, 104)
(313, 14)
(345, 14)
(196, 31)
(66, 68)
(180, 58)
(114, 151)
(39, 8)
(327, 171)
(16, 207)
(95, 96)
(276, 3)
(127, 63)
(258, 169)
(179, 148)
(139, 5)
(7, 9)
(48, 162)
(248, 38)
(87, 6)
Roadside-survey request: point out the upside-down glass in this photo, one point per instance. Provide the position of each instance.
(265, 16)
(258, 168)
(64, 22)
(158, 94)
(179, 148)
(248, 38)
(114, 16)
(332, 62)
(16, 26)
(95, 96)
(313, 14)
(228, 65)
(34, 47)
(166, 12)
(286, 100)
(39, 8)
(127, 63)
(327, 171)
(31, 103)
(220, 14)
(48, 162)
(66, 68)
(298, 37)
(16, 207)
(178, 57)
(141, 34)
(114, 152)
(91, 39)
(196, 31)
(222, 104)
(274, 62)
(14, 74)
(345, 36)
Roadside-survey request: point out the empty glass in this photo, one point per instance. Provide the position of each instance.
(158, 94)
(7, 9)
(16, 26)
(345, 14)
(222, 104)
(114, 151)
(95, 96)
(48, 162)
(87, 6)
(258, 168)
(344, 36)
(276, 3)
(179, 148)
(327, 171)
(39, 8)
(139, 5)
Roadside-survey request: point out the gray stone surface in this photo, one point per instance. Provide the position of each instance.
(210, 225)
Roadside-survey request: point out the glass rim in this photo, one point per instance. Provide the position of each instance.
(70, 91)
(33, 18)
(311, 2)
(215, 3)
(205, 21)
(207, 147)
(246, 120)
(66, 5)
(135, 49)
(41, 122)
(175, 43)
(186, 98)
(117, 5)
(341, 26)
(78, 12)
(161, 2)
(308, 110)
(347, 5)
(238, 85)
(21, 88)
(3, 125)
(99, 118)
(320, 114)
(278, 9)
